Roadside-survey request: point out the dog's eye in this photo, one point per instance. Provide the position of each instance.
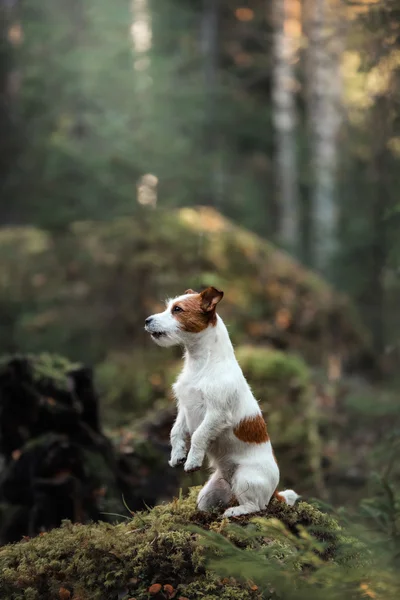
(177, 309)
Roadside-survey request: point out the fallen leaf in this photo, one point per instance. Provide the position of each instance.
(283, 318)
(62, 475)
(169, 590)
(155, 589)
(367, 590)
(64, 594)
(156, 380)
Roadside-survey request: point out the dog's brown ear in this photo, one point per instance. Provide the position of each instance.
(191, 292)
(210, 298)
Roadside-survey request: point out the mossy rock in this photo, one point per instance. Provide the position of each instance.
(86, 293)
(173, 551)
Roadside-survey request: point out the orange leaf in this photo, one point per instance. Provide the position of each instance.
(367, 590)
(64, 594)
(244, 14)
(169, 590)
(155, 379)
(283, 318)
(155, 589)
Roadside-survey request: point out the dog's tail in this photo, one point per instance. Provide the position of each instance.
(288, 496)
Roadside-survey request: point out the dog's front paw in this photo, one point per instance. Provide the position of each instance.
(192, 464)
(177, 459)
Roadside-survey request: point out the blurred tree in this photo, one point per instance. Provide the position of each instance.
(323, 32)
(286, 21)
(76, 112)
(370, 167)
(10, 35)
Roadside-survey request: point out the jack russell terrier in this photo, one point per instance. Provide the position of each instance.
(216, 409)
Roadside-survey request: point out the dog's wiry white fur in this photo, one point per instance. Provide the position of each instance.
(213, 397)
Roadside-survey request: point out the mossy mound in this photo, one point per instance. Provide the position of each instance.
(91, 288)
(166, 553)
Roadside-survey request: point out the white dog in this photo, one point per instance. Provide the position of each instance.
(216, 409)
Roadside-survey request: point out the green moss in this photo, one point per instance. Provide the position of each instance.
(268, 366)
(46, 367)
(167, 545)
(131, 382)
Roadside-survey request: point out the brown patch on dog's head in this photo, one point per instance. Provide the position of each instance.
(252, 430)
(197, 312)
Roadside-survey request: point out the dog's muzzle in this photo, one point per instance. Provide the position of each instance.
(151, 327)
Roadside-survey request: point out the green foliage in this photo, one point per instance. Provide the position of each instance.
(47, 368)
(265, 365)
(130, 383)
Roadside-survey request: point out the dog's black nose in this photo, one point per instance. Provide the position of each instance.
(148, 320)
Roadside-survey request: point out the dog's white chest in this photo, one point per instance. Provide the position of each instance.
(193, 403)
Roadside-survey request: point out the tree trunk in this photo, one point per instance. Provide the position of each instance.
(324, 43)
(285, 47)
(210, 52)
(10, 38)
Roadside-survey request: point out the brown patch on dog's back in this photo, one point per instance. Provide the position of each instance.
(252, 430)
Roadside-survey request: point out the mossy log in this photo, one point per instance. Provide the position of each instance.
(166, 553)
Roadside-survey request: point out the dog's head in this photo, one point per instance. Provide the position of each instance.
(184, 317)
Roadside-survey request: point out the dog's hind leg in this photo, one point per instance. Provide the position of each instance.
(252, 489)
(216, 492)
